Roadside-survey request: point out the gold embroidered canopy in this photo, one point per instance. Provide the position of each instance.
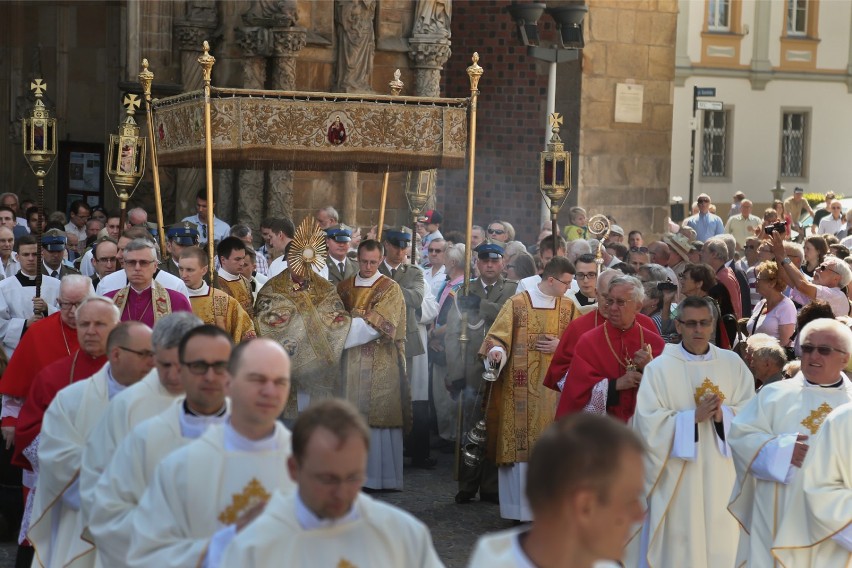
(312, 131)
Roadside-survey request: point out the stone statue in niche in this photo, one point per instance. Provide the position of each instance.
(272, 14)
(356, 44)
(433, 18)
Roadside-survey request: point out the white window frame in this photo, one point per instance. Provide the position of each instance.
(726, 136)
(797, 17)
(714, 9)
(794, 141)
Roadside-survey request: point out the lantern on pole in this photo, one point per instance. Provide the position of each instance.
(419, 188)
(39, 140)
(126, 157)
(555, 174)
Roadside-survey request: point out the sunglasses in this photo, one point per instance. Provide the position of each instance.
(643, 250)
(824, 267)
(703, 201)
(436, 251)
(823, 350)
(496, 231)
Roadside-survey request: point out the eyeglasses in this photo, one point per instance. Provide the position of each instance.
(643, 250)
(823, 350)
(201, 367)
(496, 231)
(69, 305)
(586, 275)
(703, 200)
(692, 324)
(145, 353)
(107, 259)
(824, 267)
(435, 251)
(618, 302)
(139, 263)
(561, 282)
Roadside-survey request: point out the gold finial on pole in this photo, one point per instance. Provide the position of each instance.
(146, 78)
(206, 61)
(396, 85)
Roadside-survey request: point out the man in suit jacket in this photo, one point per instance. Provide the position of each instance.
(487, 295)
(53, 252)
(340, 266)
(397, 242)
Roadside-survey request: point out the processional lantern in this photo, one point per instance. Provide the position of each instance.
(419, 188)
(555, 174)
(39, 140)
(126, 156)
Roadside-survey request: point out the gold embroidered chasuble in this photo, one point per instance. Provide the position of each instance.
(374, 373)
(220, 309)
(311, 323)
(521, 407)
(240, 290)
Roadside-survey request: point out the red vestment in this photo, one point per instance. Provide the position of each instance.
(41, 345)
(594, 361)
(46, 384)
(572, 334)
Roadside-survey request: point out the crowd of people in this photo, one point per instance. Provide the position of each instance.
(677, 402)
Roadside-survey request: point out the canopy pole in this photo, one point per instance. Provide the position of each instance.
(206, 61)
(382, 206)
(146, 77)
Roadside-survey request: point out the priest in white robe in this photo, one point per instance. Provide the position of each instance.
(584, 515)
(772, 435)
(328, 521)
(201, 493)
(821, 535)
(152, 395)
(684, 407)
(56, 520)
(131, 468)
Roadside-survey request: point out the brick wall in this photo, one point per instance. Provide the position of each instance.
(511, 114)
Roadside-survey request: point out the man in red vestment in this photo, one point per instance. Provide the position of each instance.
(145, 299)
(43, 343)
(565, 351)
(96, 317)
(608, 360)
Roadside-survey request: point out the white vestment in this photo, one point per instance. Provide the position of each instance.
(762, 439)
(128, 473)
(202, 488)
(16, 306)
(118, 280)
(821, 535)
(503, 550)
(57, 522)
(419, 371)
(374, 534)
(137, 403)
(687, 482)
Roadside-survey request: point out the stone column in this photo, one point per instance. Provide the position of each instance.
(200, 25)
(254, 42)
(286, 45)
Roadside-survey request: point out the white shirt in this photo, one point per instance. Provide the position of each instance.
(220, 228)
(829, 225)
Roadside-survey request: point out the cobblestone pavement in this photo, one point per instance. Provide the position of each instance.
(428, 496)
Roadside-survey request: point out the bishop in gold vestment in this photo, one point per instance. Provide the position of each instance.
(374, 377)
(520, 406)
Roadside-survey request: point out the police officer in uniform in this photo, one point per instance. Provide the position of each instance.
(340, 266)
(487, 294)
(53, 254)
(178, 236)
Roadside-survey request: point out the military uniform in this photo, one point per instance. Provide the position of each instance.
(410, 279)
(468, 377)
(184, 234)
(55, 241)
(341, 234)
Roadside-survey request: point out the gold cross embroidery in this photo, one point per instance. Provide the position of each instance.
(708, 387)
(816, 417)
(251, 494)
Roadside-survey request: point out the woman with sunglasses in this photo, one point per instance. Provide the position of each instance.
(500, 232)
(775, 314)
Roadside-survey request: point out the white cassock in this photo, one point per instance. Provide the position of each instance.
(16, 306)
(687, 482)
(137, 403)
(118, 280)
(188, 512)
(532, 282)
(419, 372)
(57, 523)
(372, 534)
(762, 439)
(503, 550)
(821, 535)
(127, 475)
